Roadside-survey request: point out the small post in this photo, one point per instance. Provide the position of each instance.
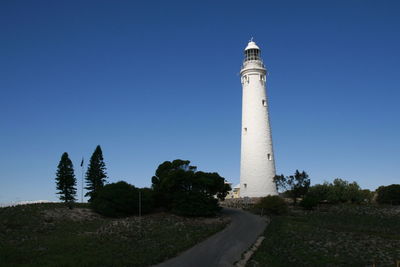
(140, 214)
(82, 180)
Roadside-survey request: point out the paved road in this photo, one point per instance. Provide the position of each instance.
(225, 247)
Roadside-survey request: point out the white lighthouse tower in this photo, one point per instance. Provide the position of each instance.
(257, 164)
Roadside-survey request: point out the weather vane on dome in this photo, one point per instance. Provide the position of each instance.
(251, 40)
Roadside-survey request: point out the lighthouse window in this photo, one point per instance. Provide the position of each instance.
(269, 157)
(245, 130)
(264, 102)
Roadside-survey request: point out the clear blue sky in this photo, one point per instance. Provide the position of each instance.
(153, 81)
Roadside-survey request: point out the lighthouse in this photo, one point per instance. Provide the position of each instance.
(257, 163)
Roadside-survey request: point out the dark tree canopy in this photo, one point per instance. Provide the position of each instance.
(296, 185)
(389, 194)
(299, 184)
(122, 199)
(96, 174)
(181, 188)
(65, 180)
(281, 183)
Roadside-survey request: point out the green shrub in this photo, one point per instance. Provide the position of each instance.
(389, 194)
(337, 191)
(194, 204)
(272, 205)
(309, 202)
(122, 199)
(340, 191)
(319, 191)
(353, 193)
(367, 195)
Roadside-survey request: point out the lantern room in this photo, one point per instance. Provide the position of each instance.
(252, 52)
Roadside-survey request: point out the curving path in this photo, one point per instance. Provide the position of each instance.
(225, 247)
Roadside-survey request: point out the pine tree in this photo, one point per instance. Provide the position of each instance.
(65, 180)
(96, 174)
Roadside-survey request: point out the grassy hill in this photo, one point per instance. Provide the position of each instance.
(52, 235)
(343, 235)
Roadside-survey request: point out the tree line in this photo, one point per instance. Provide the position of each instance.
(298, 186)
(177, 186)
(180, 188)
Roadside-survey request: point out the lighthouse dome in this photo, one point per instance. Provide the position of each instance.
(251, 45)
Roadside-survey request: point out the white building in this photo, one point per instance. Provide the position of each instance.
(257, 164)
(234, 193)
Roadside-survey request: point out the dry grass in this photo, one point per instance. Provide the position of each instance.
(340, 236)
(53, 235)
